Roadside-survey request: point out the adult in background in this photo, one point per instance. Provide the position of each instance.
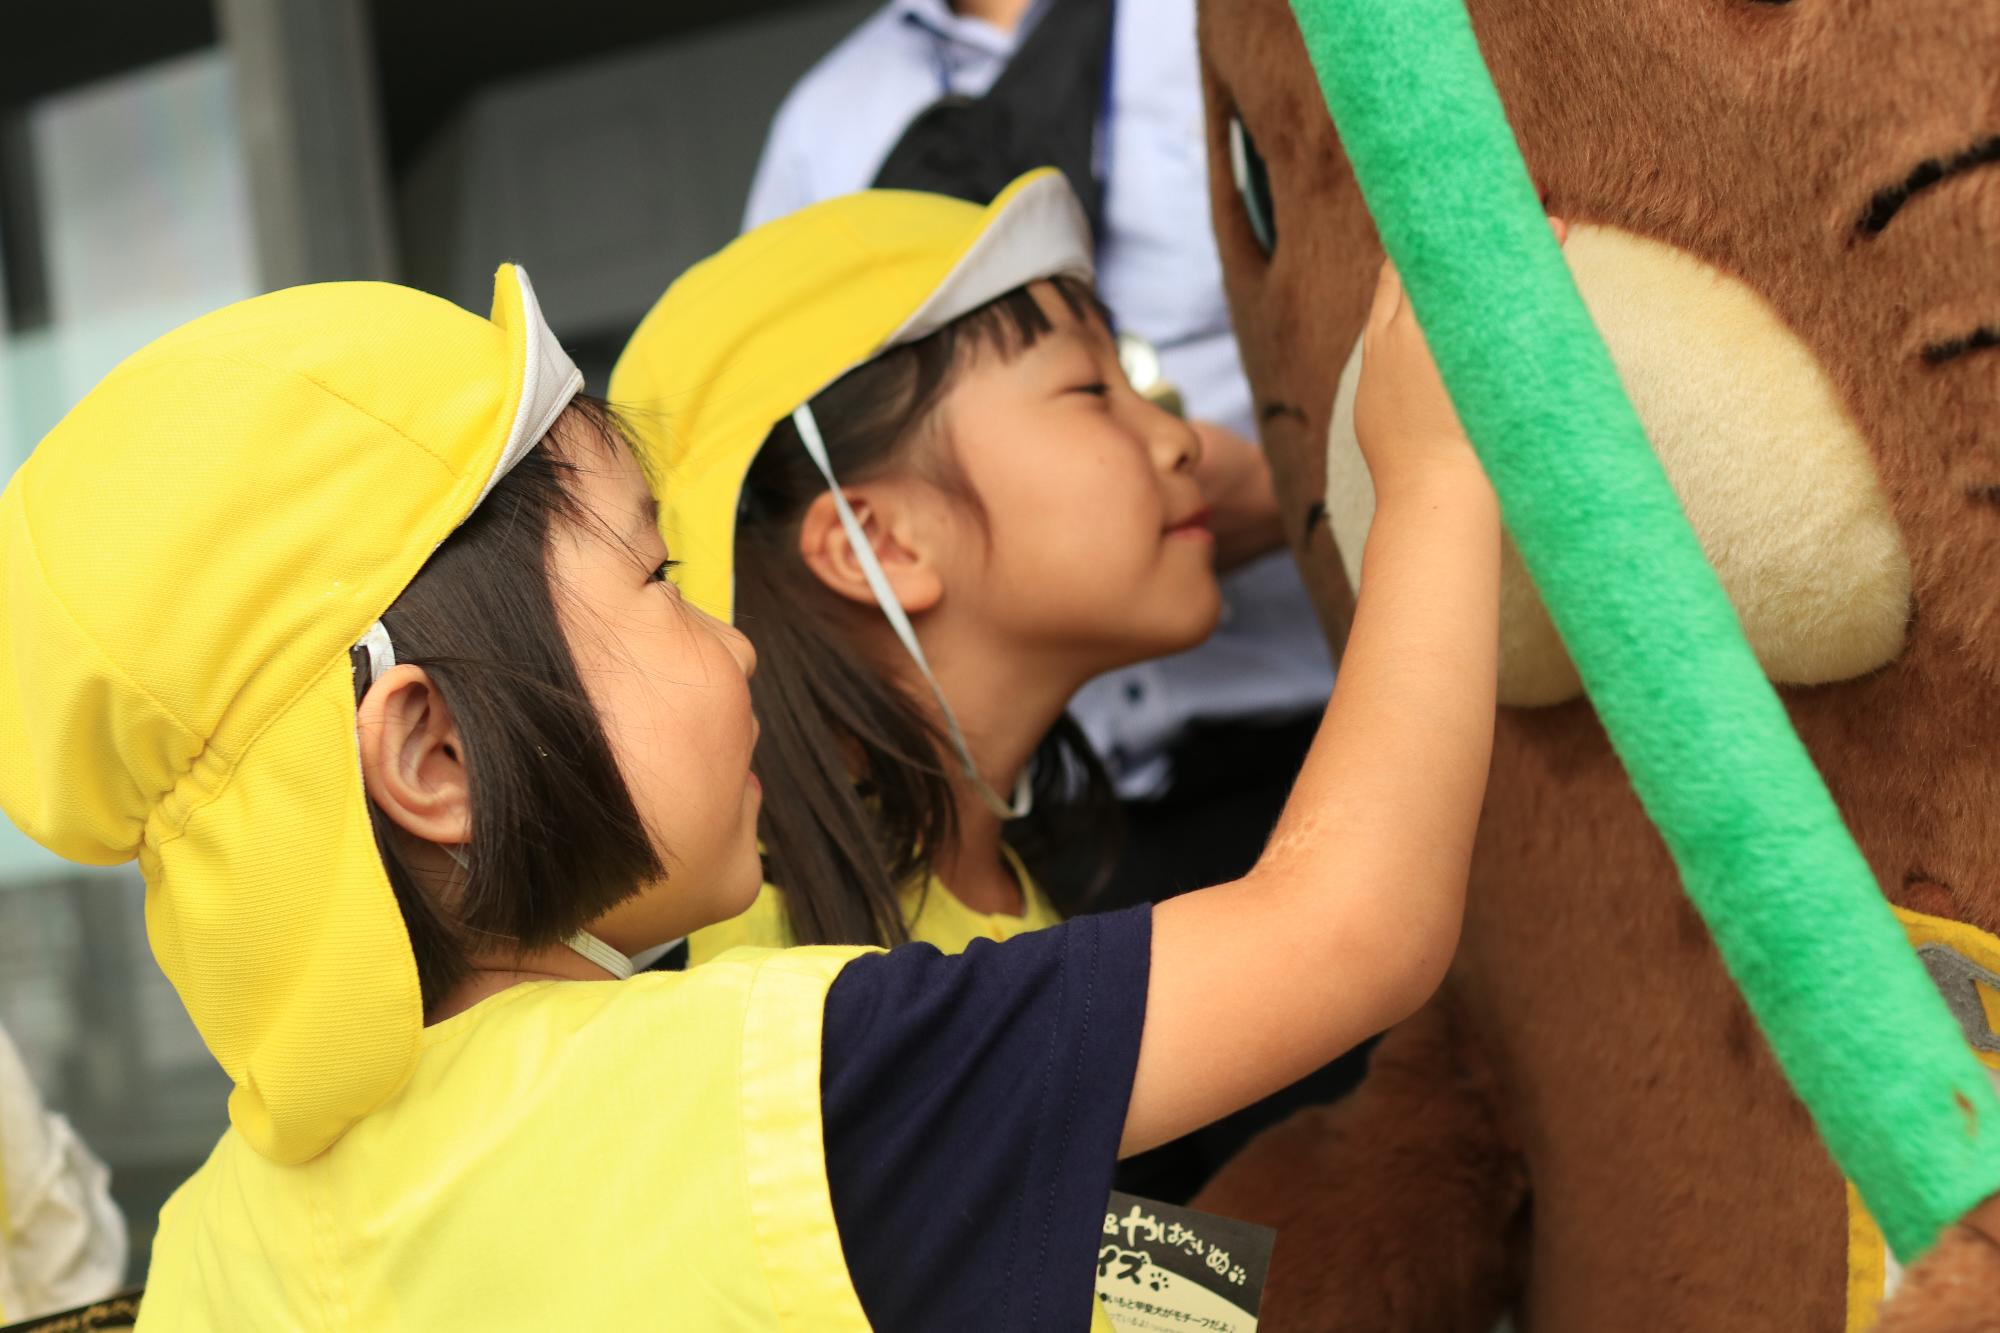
(960, 96)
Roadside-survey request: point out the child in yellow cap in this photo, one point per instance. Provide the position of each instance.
(899, 437)
(341, 613)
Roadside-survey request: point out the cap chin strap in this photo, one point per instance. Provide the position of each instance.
(597, 951)
(381, 652)
(885, 597)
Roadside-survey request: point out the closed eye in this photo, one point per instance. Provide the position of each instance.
(664, 574)
(1097, 389)
(1983, 339)
(1927, 174)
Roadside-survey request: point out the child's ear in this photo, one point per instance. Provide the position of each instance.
(886, 517)
(413, 759)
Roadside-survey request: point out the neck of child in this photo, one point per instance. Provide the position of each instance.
(497, 972)
(973, 867)
(1005, 15)
(1006, 701)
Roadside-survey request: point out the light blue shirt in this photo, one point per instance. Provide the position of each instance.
(1159, 273)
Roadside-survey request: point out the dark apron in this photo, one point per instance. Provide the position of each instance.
(1043, 111)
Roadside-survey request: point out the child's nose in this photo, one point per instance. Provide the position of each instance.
(746, 652)
(738, 643)
(1177, 444)
(1197, 446)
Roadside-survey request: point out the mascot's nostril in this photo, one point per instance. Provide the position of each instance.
(1889, 201)
(1982, 339)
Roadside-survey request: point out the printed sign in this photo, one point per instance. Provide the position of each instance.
(1163, 1269)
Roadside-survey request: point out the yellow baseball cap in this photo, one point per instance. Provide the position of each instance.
(747, 336)
(186, 560)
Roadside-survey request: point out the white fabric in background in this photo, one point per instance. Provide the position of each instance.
(63, 1240)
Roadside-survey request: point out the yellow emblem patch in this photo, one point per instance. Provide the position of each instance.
(1965, 962)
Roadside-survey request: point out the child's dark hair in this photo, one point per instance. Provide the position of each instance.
(857, 785)
(556, 839)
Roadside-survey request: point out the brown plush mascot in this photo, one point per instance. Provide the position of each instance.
(1786, 221)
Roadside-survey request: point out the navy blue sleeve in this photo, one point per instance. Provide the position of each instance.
(973, 1105)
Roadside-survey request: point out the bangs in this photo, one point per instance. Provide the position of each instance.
(1009, 325)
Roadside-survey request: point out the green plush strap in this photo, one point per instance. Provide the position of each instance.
(1864, 1037)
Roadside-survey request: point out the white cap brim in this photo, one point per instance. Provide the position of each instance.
(549, 380)
(1041, 232)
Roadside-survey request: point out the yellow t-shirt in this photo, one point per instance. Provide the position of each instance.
(519, 1180)
(934, 916)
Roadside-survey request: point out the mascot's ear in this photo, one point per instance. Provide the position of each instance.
(1253, 185)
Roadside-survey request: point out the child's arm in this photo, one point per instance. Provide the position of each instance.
(1347, 922)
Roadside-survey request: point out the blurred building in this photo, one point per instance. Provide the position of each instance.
(161, 157)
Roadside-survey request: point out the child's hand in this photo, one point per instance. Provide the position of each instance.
(1348, 920)
(1403, 417)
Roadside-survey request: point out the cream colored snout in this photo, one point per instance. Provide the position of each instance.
(1775, 478)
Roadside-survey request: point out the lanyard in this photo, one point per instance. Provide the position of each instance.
(892, 607)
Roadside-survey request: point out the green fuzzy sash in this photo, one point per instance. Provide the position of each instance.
(1861, 1032)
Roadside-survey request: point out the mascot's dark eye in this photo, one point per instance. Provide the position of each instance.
(1253, 184)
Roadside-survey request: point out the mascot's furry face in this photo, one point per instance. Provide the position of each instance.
(1791, 226)
(1786, 220)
